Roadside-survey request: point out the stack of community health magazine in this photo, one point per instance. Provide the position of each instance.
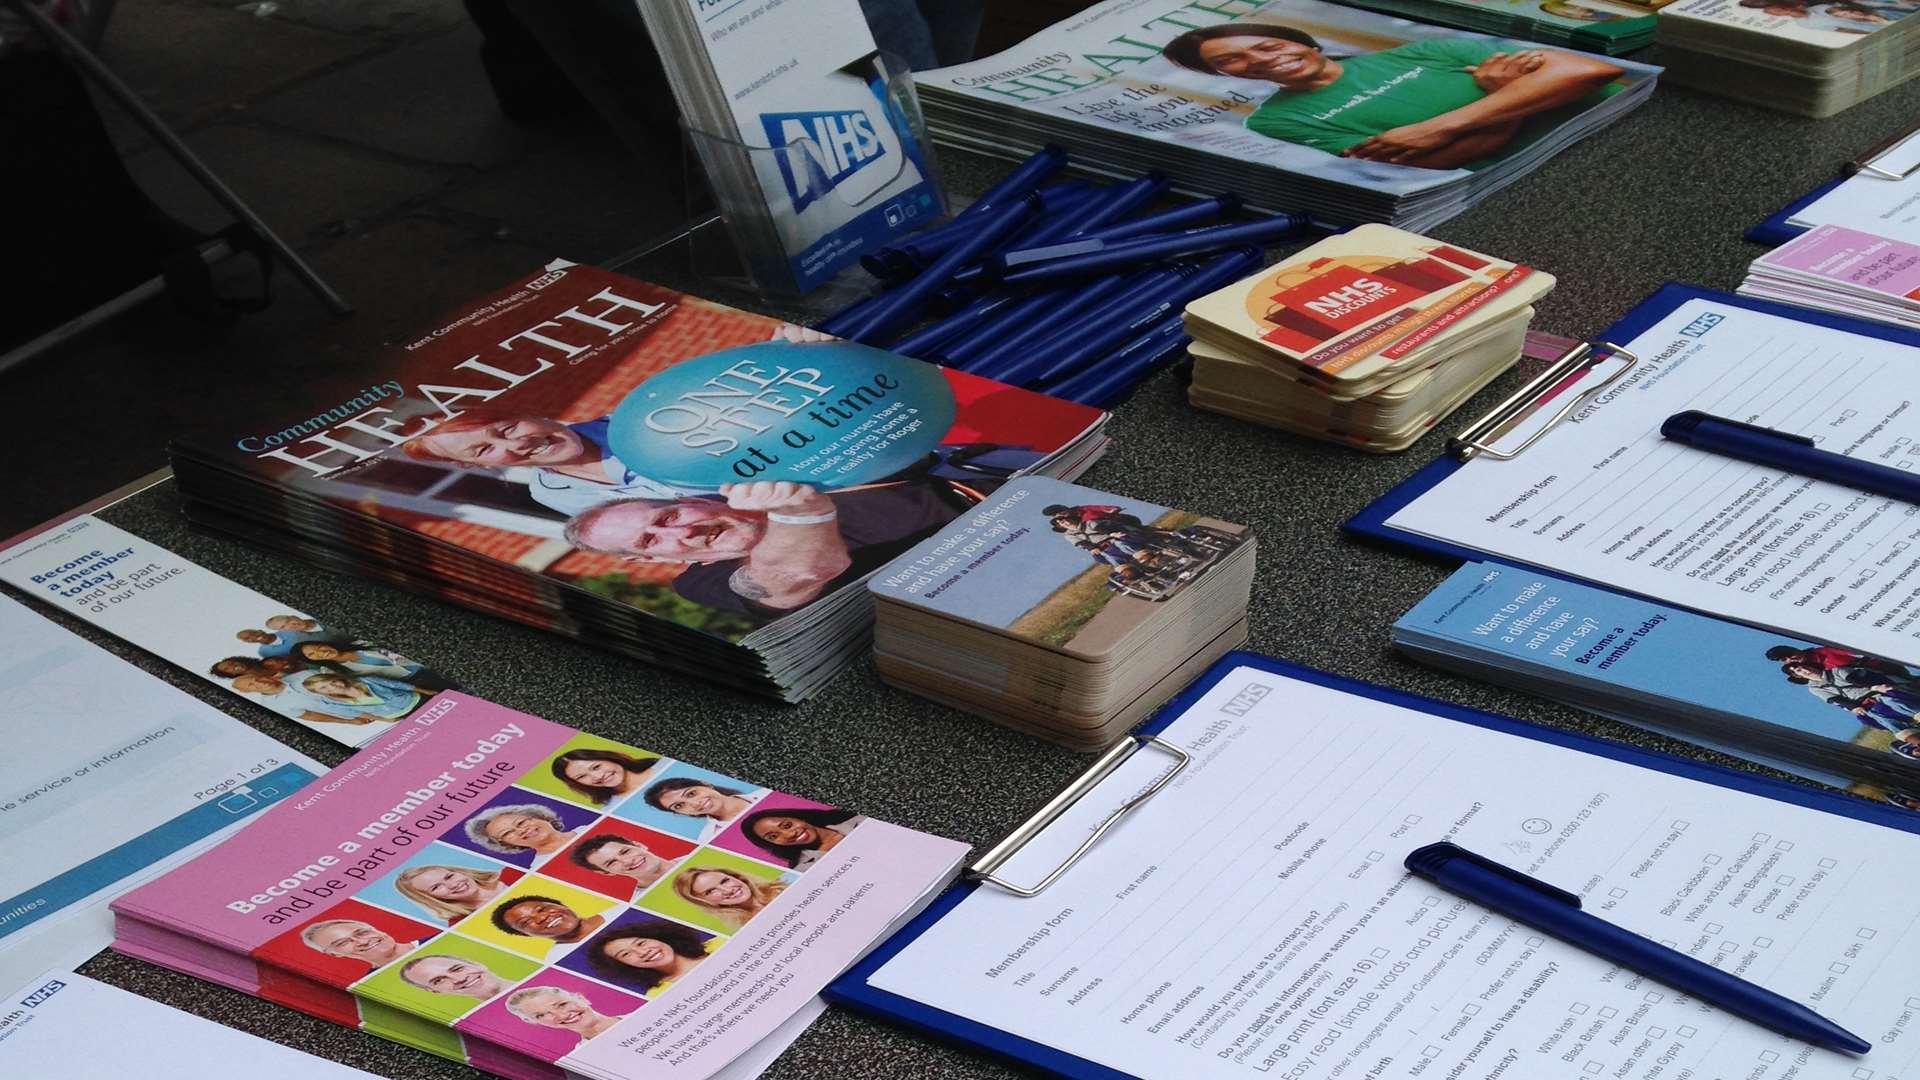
(1809, 57)
(1297, 105)
(1063, 611)
(1750, 691)
(1601, 26)
(1366, 339)
(538, 902)
(638, 469)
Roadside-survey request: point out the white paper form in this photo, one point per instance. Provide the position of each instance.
(1605, 498)
(62, 1024)
(110, 776)
(1871, 204)
(1253, 918)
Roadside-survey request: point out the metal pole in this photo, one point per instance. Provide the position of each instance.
(91, 66)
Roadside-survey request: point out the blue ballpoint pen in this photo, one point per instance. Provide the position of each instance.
(1784, 450)
(1557, 913)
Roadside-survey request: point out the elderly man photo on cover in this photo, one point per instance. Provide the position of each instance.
(768, 547)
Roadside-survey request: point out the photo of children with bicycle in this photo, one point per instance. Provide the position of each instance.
(1149, 562)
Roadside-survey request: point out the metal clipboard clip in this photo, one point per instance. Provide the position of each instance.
(1478, 438)
(1867, 164)
(982, 869)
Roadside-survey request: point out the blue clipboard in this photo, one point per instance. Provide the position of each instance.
(1371, 523)
(855, 991)
(1777, 229)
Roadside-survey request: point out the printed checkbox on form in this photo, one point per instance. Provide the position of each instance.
(1578, 1008)
(1686, 1032)
(1711, 860)
(1837, 969)
(1784, 845)
(1823, 506)
(1728, 947)
(1761, 838)
(1656, 1033)
(1470, 1008)
(1863, 1073)
(1783, 879)
(1410, 819)
(1592, 1067)
(1769, 1055)
(1616, 893)
(1681, 826)
(1378, 954)
(1903, 464)
(1655, 997)
(1609, 1012)
(1714, 928)
(1670, 943)
(1828, 864)
(1866, 932)
(1431, 901)
(1913, 1003)
(1430, 1052)
(1535, 942)
(1763, 942)
(1376, 856)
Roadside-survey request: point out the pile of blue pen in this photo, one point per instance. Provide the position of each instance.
(1057, 287)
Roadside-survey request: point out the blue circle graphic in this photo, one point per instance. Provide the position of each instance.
(832, 414)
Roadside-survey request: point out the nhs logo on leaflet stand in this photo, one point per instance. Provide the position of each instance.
(825, 148)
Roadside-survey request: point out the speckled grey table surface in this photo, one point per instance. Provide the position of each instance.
(1663, 196)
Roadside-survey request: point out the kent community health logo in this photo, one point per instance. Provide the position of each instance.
(832, 146)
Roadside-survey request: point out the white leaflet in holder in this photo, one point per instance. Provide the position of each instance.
(844, 172)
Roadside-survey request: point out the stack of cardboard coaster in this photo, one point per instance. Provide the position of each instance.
(1366, 339)
(1063, 611)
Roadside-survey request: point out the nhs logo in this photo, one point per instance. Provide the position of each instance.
(40, 996)
(831, 147)
(1700, 326)
(1246, 698)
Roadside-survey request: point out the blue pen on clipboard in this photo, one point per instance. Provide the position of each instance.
(1556, 913)
(1785, 450)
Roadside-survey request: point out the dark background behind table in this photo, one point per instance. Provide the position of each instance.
(1664, 196)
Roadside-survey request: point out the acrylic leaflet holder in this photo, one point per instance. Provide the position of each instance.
(800, 214)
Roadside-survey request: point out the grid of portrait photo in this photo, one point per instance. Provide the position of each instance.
(569, 899)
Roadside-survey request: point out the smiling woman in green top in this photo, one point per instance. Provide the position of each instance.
(1441, 103)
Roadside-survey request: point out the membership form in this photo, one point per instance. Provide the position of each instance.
(1254, 918)
(1604, 497)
